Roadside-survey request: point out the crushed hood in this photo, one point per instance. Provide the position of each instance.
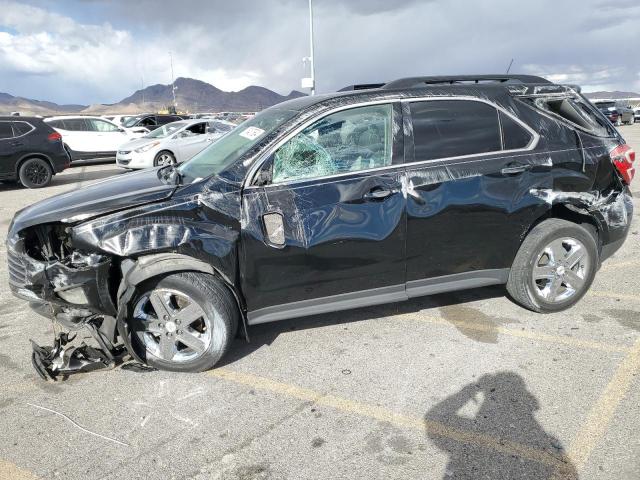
(114, 193)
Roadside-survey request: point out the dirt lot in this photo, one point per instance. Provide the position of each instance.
(464, 385)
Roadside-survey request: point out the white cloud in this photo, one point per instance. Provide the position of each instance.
(57, 56)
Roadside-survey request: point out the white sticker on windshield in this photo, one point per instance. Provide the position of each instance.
(251, 133)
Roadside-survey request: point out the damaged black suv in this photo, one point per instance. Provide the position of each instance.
(325, 203)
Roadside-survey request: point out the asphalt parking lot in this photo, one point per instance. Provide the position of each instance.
(462, 385)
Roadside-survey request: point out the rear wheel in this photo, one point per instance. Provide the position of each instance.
(182, 322)
(35, 173)
(164, 159)
(554, 267)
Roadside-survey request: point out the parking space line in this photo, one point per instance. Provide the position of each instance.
(543, 337)
(385, 415)
(614, 295)
(10, 471)
(601, 414)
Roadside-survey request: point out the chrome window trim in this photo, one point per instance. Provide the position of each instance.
(253, 170)
(19, 136)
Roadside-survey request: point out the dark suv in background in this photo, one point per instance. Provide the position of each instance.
(324, 203)
(618, 112)
(30, 151)
(148, 122)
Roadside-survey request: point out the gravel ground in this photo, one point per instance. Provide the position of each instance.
(462, 385)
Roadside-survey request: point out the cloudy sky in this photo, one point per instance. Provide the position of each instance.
(99, 51)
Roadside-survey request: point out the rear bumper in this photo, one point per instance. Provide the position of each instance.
(616, 218)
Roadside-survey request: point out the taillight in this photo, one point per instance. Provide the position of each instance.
(623, 157)
(54, 136)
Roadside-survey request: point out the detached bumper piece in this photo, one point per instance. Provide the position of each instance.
(63, 359)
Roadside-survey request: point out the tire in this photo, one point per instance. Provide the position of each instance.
(186, 296)
(35, 173)
(554, 285)
(164, 158)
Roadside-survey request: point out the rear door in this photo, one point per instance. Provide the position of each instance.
(327, 231)
(469, 198)
(7, 150)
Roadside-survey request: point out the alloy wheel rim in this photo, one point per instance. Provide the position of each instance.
(171, 325)
(560, 270)
(36, 173)
(165, 160)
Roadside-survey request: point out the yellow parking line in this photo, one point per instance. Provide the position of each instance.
(385, 415)
(10, 471)
(623, 296)
(543, 337)
(601, 414)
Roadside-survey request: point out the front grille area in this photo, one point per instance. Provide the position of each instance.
(17, 269)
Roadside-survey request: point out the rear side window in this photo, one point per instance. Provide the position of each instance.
(148, 122)
(577, 112)
(56, 124)
(76, 124)
(453, 128)
(514, 135)
(101, 126)
(5, 130)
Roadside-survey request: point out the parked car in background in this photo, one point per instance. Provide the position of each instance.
(89, 138)
(324, 203)
(172, 143)
(618, 112)
(140, 125)
(118, 119)
(203, 115)
(636, 114)
(30, 151)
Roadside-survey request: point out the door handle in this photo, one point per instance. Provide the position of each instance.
(378, 193)
(515, 169)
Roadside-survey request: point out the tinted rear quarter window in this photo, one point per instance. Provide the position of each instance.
(452, 128)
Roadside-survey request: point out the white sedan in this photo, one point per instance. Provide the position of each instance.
(172, 143)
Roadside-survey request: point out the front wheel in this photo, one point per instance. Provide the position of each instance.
(164, 159)
(554, 266)
(35, 173)
(182, 322)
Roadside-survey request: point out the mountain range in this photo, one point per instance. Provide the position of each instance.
(191, 96)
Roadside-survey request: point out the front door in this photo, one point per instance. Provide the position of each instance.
(191, 140)
(471, 193)
(326, 231)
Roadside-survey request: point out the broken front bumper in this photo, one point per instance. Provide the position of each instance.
(69, 292)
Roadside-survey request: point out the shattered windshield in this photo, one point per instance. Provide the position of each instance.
(236, 143)
(166, 130)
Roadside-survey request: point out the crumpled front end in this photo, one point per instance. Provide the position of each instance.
(59, 281)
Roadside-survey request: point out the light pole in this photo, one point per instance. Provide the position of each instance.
(310, 82)
(173, 86)
(312, 58)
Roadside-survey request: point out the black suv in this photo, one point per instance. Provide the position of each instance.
(331, 202)
(30, 151)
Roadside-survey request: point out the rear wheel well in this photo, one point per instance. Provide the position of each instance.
(33, 155)
(571, 214)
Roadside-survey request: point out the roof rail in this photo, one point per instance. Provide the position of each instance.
(414, 82)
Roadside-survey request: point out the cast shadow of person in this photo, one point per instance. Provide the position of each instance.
(491, 433)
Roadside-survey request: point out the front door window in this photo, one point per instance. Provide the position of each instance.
(349, 141)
